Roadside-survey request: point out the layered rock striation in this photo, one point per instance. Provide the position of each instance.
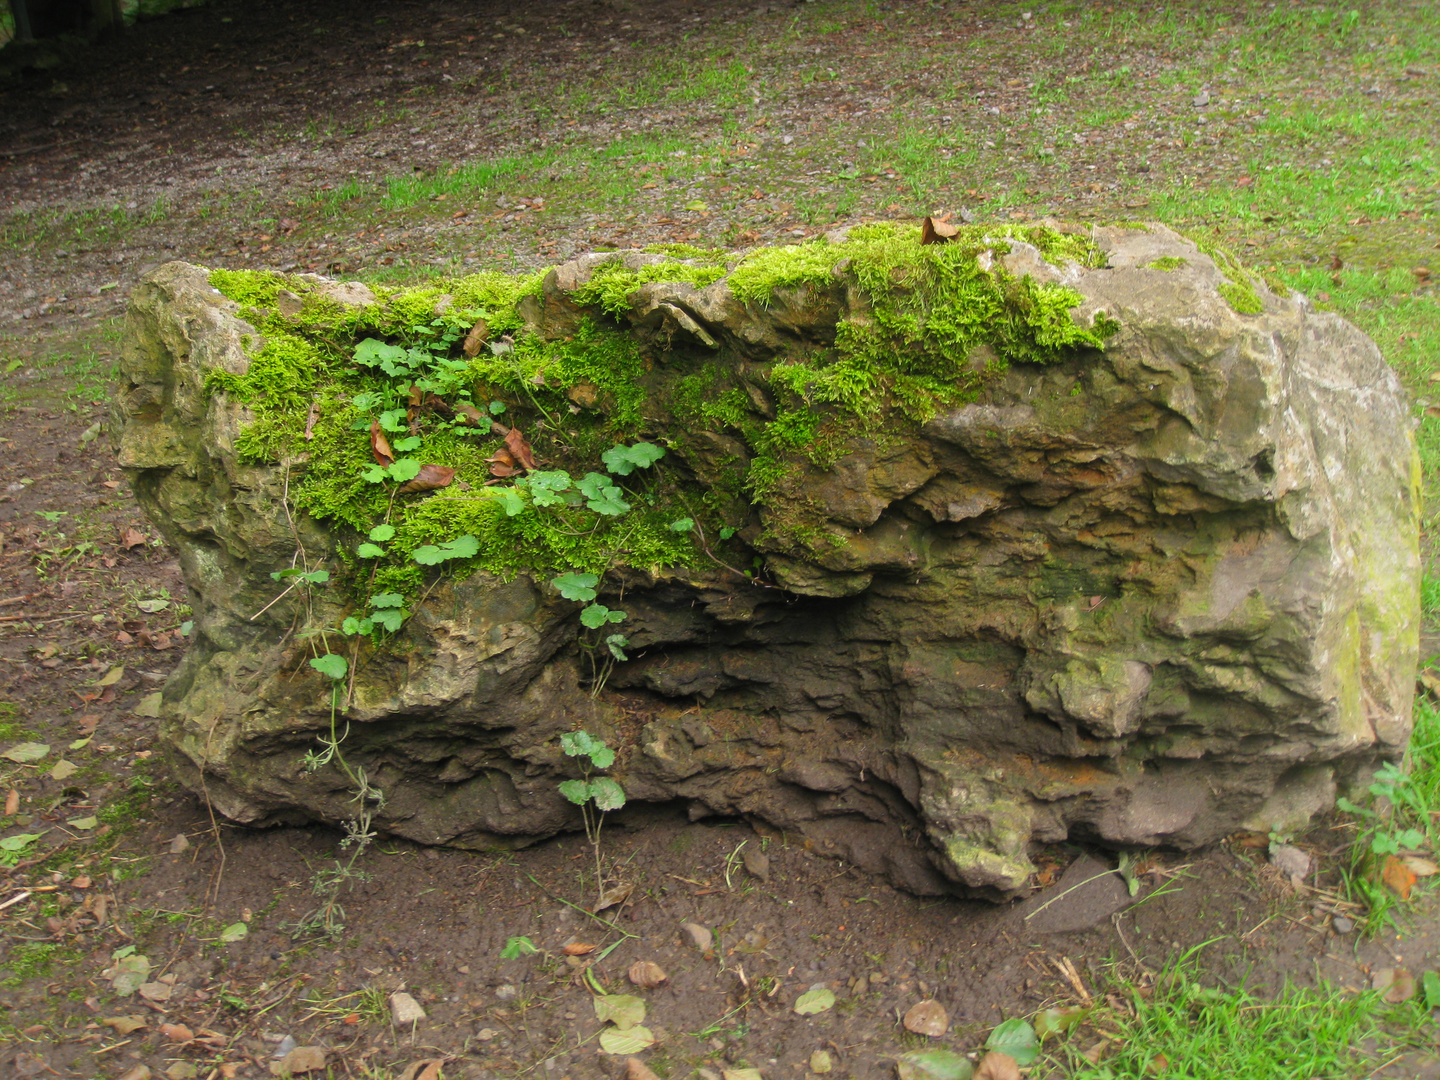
(1149, 582)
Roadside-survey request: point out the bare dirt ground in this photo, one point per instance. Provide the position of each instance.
(281, 135)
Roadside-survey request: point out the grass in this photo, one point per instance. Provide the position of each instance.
(1213, 1033)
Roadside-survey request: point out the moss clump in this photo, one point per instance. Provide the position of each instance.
(1238, 288)
(1167, 263)
(613, 283)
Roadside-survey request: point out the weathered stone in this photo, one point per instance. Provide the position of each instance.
(1147, 595)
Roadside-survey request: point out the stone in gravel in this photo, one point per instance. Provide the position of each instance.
(1290, 861)
(1202, 99)
(303, 1059)
(757, 863)
(404, 1009)
(156, 992)
(181, 1070)
(505, 992)
(701, 938)
(1342, 924)
(646, 974)
(180, 844)
(139, 1072)
(1086, 895)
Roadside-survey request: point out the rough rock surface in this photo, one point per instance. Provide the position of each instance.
(1149, 595)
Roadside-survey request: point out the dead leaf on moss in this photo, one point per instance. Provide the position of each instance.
(429, 478)
(475, 339)
(380, 446)
(519, 448)
(935, 231)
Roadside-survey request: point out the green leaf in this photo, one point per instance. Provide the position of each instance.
(626, 1043)
(622, 1010)
(602, 757)
(1017, 1038)
(80, 744)
(608, 794)
(517, 947)
(390, 618)
(727, 532)
(935, 1064)
(186, 627)
(26, 752)
(602, 496)
(1058, 1021)
(1430, 985)
(394, 420)
(375, 474)
(573, 586)
(462, 547)
(595, 616)
(815, 1001)
(405, 469)
(369, 551)
(83, 823)
(387, 599)
(353, 624)
(580, 743)
(234, 932)
(514, 504)
(373, 353)
(331, 665)
(577, 791)
(381, 533)
(617, 644)
(623, 460)
(496, 408)
(682, 525)
(410, 442)
(20, 841)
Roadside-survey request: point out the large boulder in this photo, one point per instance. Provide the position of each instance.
(1131, 555)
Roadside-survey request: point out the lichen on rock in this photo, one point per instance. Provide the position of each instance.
(937, 551)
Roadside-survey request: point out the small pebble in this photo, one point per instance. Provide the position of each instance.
(1342, 924)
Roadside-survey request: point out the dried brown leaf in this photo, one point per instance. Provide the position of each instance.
(380, 446)
(12, 802)
(578, 948)
(997, 1066)
(177, 1032)
(933, 231)
(519, 448)
(635, 1069)
(1420, 866)
(927, 1017)
(1398, 876)
(311, 418)
(502, 464)
(429, 478)
(647, 974)
(124, 1025)
(429, 1069)
(131, 538)
(616, 894)
(1402, 987)
(475, 339)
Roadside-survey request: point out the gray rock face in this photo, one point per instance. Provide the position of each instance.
(1149, 595)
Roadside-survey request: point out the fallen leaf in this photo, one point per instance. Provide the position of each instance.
(423, 1070)
(234, 932)
(1420, 867)
(429, 478)
(26, 752)
(936, 232)
(1015, 1038)
(149, 705)
(88, 723)
(131, 538)
(647, 974)
(933, 1065)
(12, 802)
(1059, 1020)
(475, 339)
(817, 1000)
(578, 948)
(635, 1069)
(616, 894)
(624, 1043)
(81, 882)
(997, 1066)
(113, 676)
(157, 992)
(701, 938)
(622, 1010)
(927, 1017)
(177, 1032)
(303, 1059)
(129, 974)
(380, 446)
(741, 1074)
(519, 448)
(1398, 876)
(83, 823)
(124, 1025)
(1401, 986)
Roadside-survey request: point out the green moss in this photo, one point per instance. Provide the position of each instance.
(1238, 288)
(612, 283)
(1242, 297)
(253, 288)
(715, 256)
(1167, 263)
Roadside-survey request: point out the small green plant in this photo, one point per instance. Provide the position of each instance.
(595, 795)
(517, 947)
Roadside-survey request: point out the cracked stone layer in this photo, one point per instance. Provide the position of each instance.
(1146, 596)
